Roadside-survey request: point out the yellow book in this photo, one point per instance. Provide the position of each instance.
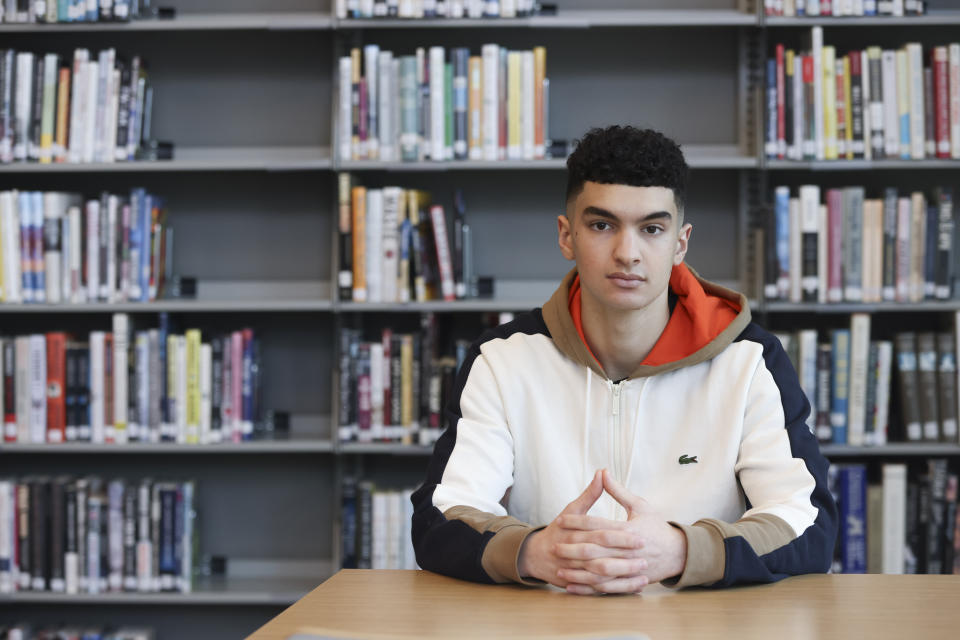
(903, 102)
(406, 387)
(514, 99)
(416, 199)
(475, 108)
(828, 57)
(359, 238)
(539, 75)
(918, 234)
(193, 386)
(848, 101)
(63, 111)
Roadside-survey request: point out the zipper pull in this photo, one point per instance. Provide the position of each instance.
(616, 398)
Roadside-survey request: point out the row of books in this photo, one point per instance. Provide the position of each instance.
(906, 522)
(844, 8)
(841, 246)
(89, 535)
(90, 109)
(435, 8)
(375, 527)
(868, 104)
(395, 246)
(57, 248)
(26, 631)
(395, 389)
(853, 382)
(54, 11)
(123, 386)
(440, 106)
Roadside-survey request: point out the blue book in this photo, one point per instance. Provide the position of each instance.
(840, 377)
(869, 7)
(782, 217)
(930, 252)
(63, 10)
(771, 138)
(853, 518)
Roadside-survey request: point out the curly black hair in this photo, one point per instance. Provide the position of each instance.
(630, 156)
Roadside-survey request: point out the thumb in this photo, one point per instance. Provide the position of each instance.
(585, 500)
(633, 504)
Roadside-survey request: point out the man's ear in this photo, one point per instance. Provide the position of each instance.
(565, 236)
(683, 240)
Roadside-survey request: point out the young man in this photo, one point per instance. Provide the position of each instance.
(643, 383)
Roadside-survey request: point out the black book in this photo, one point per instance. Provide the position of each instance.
(58, 533)
(70, 393)
(771, 263)
(345, 224)
(459, 219)
(930, 252)
(415, 382)
(39, 528)
(889, 243)
(824, 430)
(365, 525)
(36, 110)
(71, 544)
(216, 388)
(179, 516)
(129, 538)
(943, 278)
(924, 498)
(348, 523)
(345, 382)
(166, 567)
(396, 379)
(935, 519)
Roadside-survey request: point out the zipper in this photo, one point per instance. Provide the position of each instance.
(616, 430)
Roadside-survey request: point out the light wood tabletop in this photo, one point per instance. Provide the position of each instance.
(415, 604)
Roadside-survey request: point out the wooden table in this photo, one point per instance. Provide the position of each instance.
(414, 604)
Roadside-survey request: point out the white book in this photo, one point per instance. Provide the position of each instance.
(98, 433)
(392, 199)
(884, 368)
(859, 356)
(437, 107)
(93, 255)
(508, 8)
(345, 114)
(121, 345)
(206, 388)
(394, 529)
(475, 8)
(423, 104)
(796, 251)
(374, 233)
(491, 8)
(809, 224)
(53, 211)
(22, 385)
(894, 517)
(105, 71)
(78, 83)
(953, 72)
(917, 128)
(378, 531)
(88, 125)
(22, 101)
(108, 289)
(181, 363)
(371, 54)
(377, 365)
(78, 288)
(405, 9)
(138, 421)
(866, 126)
(816, 50)
(823, 249)
(66, 292)
(10, 237)
(38, 388)
(340, 9)
(112, 112)
(385, 107)
(491, 106)
(527, 110)
(115, 534)
(891, 119)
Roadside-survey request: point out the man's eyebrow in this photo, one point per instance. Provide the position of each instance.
(603, 213)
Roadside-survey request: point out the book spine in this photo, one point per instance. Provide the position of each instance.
(374, 245)
(514, 105)
(947, 386)
(192, 406)
(10, 390)
(840, 378)
(491, 83)
(436, 102)
(359, 207)
(56, 383)
(809, 213)
(853, 497)
(386, 106)
(953, 54)
(944, 243)
(461, 91)
(540, 102)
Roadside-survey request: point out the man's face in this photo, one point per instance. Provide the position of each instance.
(625, 241)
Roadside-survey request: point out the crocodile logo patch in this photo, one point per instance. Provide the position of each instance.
(685, 459)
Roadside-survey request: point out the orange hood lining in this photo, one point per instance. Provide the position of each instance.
(697, 319)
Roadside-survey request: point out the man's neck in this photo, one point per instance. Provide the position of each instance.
(621, 340)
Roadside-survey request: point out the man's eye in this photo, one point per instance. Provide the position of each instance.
(600, 226)
(652, 230)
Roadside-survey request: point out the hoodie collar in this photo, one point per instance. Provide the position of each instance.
(705, 319)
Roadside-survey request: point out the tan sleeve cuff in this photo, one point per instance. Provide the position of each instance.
(706, 557)
(502, 554)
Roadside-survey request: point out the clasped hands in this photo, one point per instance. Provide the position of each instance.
(588, 554)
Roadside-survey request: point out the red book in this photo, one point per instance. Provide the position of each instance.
(444, 263)
(56, 386)
(834, 245)
(388, 417)
(781, 107)
(941, 97)
(826, 7)
(9, 392)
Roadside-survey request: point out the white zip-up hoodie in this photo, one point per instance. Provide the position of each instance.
(710, 430)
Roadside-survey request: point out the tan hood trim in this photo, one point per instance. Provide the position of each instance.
(556, 315)
(502, 554)
(706, 555)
